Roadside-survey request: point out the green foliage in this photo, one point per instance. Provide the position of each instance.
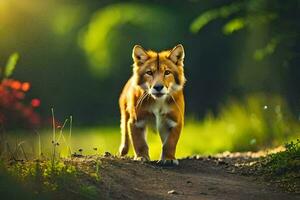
(213, 14)
(67, 18)
(285, 161)
(282, 168)
(11, 189)
(52, 177)
(48, 180)
(101, 38)
(254, 15)
(234, 25)
(256, 122)
(89, 47)
(269, 49)
(11, 64)
(89, 191)
(15, 110)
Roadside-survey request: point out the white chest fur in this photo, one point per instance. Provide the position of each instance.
(160, 108)
(162, 123)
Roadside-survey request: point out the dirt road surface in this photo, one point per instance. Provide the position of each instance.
(193, 179)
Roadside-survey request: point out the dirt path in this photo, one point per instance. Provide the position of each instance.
(192, 179)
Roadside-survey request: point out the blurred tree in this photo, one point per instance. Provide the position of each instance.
(115, 29)
(269, 54)
(77, 54)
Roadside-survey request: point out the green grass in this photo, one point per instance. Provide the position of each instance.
(250, 124)
(282, 168)
(197, 138)
(286, 161)
(43, 179)
(256, 122)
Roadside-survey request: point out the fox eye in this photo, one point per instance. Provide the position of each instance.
(167, 72)
(149, 73)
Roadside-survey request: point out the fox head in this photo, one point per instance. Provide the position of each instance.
(159, 73)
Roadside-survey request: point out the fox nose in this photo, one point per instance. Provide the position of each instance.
(158, 88)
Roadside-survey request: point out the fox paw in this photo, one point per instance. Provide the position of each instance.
(142, 159)
(123, 150)
(168, 163)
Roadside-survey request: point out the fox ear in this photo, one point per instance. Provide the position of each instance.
(177, 54)
(139, 55)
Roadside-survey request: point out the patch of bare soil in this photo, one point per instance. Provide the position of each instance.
(195, 178)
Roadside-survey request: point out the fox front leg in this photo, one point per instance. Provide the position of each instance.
(169, 134)
(137, 131)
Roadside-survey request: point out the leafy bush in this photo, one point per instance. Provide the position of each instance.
(249, 124)
(43, 179)
(15, 110)
(112, 25)
(285, 161)
(281, 19)
(259, 121)
(283, 167)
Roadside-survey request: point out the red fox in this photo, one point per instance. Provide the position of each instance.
(154, 93)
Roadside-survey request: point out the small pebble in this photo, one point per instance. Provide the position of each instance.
(199, 157)
(173, 192)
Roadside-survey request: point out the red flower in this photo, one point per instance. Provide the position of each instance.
(25, 86)
(16, 85)
(15, 112)
(19, 95)
(35, 102)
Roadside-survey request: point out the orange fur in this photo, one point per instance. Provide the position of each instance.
(154, 93)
